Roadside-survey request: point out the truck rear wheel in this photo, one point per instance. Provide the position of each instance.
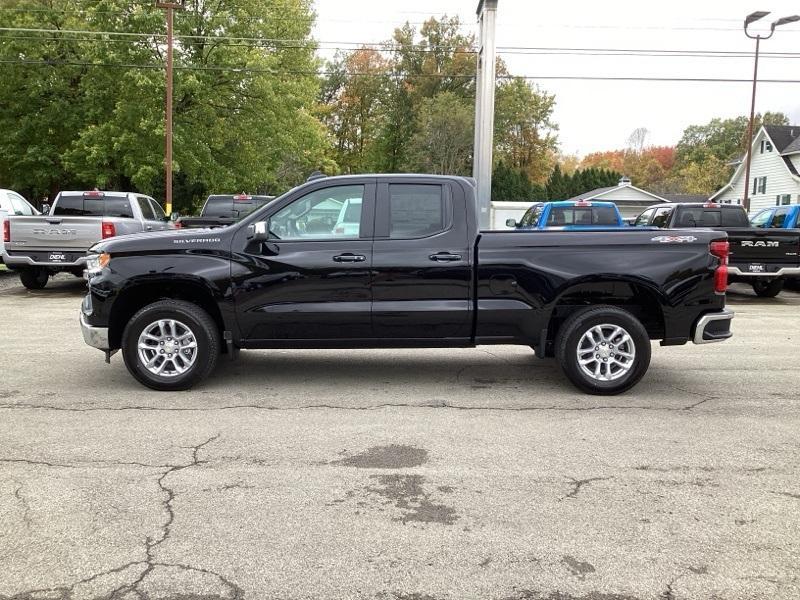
(603, 350)
(767, 289)
(171, 345)
(34, 279)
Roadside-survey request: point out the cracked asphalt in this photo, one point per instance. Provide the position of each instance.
(398, 474)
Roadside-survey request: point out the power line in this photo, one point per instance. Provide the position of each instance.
(389, 75)
(387, 47)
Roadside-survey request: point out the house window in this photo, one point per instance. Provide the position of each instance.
(783, 199)
(766, 146)
(759, 185)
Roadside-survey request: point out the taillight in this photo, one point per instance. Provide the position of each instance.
(177, 225)
(6, 230)
(721, 251)
(109, 230)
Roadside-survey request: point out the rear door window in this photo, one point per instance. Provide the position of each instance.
(417, 210)
(662, 215)
(644, 218)
(779, 219)
(147, 210)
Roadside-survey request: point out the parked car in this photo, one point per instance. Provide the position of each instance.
(40, 246)
(762, 257)
(12, 203)
(221, 210)
(777, 217)
(418, 274)
(570, 214)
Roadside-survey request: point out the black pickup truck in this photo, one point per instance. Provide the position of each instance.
(411, 269)
(762, 257)
(221, 210)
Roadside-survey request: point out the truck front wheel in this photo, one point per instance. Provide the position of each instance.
(767, 289)
(603, 350)
(34, 279)
(170, 345)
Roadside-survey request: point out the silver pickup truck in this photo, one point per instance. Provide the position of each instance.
(40, 246)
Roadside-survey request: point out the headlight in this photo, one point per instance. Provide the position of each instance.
(96, 263)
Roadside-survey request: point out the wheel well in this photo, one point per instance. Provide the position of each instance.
(636, 299)
(140, 296)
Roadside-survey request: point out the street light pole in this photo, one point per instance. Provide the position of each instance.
(170, 8)
(758, 37)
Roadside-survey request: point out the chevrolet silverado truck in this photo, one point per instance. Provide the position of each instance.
(761, 256)
(570, 214)
(416, 272)
(40, 246)
(221, 210)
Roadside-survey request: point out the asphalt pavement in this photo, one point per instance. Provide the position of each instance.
(397, 474)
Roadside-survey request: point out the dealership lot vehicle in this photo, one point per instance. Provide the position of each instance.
(221, 210)
(417, 273)
(387, 474)
(11, 203)
(569, 214)
(762, 257)
(40, 246)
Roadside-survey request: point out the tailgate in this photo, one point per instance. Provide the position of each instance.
(56, 233)
(764, 246)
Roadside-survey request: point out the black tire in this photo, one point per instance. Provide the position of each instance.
(579, 323)
(206, 335)
(767, 289)
(34, 279)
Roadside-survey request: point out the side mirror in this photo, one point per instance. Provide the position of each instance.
(261, 231)
(175, 216)
(511, 222)
(45, 209)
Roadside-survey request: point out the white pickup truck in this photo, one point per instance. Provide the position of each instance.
(40, 246)
(12, 204)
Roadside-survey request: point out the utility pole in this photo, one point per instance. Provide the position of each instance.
(749, 156)
(170, 8)
(484, 109)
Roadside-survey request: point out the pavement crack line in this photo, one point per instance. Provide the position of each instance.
(151, 544)
(26, 507)
(577, 484)
(436, 405)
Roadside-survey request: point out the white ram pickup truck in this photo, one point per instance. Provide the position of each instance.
(40, 246)
(12, 204)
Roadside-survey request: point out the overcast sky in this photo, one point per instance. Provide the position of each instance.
(600, 115)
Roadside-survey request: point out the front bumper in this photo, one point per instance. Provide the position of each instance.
(713, 327)
(96, 337)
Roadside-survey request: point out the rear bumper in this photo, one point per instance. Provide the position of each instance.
(96, 337)
(780, 272)
(28, 261)
(713, 327)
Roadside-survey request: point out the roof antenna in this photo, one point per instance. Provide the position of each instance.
(316, 175)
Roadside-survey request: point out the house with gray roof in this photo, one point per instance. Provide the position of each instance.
(774, 170)
(630, 199)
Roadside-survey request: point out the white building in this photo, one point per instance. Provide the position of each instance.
(774, 178)
(630, 200)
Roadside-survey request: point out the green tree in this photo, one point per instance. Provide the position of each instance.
(525, 134)
(244, 113)
(443, 139)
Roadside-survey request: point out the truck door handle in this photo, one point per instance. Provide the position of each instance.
(444, 257)
(347, 257)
